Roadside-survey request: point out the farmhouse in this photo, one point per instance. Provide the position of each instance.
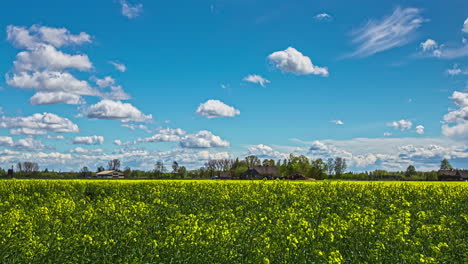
(453, 175)
(260, 172)
(110, 174)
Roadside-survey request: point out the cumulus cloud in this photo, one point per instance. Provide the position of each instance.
(51, 82)
(459, 98)
(431, 48)
(38, 124)
(401, 124)
(420, 130)
(89, 140)
(323, 17)
(115, 110)
(393, 31)
(165, 135)
(46, 57)
(29, 144)
(291, 60)
(429, 44)
(119, 66)
(264, 151)
(457, 131)
(43, 68)
(131, 10)
(203, 139)
(337, 122)
(46, 98)
(254, 78)
(23, 37)
(116, 91)
(6, 141)
(26, 144)
(83, 150)
(216, 108)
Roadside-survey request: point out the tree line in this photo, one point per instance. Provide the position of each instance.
(332, 168)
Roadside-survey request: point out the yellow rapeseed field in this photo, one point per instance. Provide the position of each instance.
(125, 221)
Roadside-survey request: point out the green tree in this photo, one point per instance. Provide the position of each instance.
(331, 166)
(252, 161)
(340, 166)
(183, 172)
(175, 167)
(318, 169)
(445, 165)
(410, 171)
(159, 168)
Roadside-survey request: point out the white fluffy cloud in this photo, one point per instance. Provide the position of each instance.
(430, 48)
(23, 37)
(203, 139)
(90, 140)
(43, 68)
(165, 135)
(131, 11)
(38, 124)
(455, 123)
(29, 144)
(6, 141)
(465, 26)
(116, 91)
(459, 98)
(45, 98)
(264, 151)
(429, 44)
(46, 57)
(292, 61)
(254, 78)
(83, 150)
(119, 66)
(115, 110)
(390, 32)
(51, 82)
(216, 108)
(420, 129)
(26, 144)
(401, 124)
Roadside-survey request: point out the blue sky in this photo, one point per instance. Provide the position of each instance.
(382, 84)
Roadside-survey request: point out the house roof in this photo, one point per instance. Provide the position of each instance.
(448, 172)
(107, 172)
(454, 172)
(267, 170)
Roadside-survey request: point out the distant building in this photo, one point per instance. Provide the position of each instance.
(261, 172)
(110, 174)
(225, 175)
(453, 175)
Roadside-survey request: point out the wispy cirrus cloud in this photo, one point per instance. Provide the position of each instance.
(131, 10)
(323, 17)
(393, 31)
(254, 78)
